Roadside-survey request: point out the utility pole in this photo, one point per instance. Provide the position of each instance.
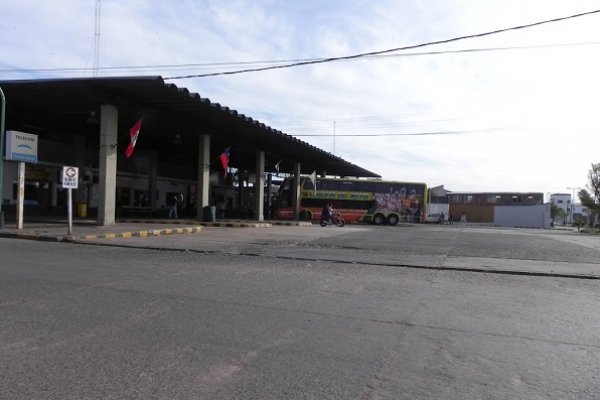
(573, 190)
(334, 137)
(97, 28)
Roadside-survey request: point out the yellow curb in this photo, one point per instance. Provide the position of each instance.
(144, 234)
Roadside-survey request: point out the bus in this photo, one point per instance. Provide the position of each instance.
(359, 200)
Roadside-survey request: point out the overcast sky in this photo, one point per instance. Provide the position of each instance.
(525, 107)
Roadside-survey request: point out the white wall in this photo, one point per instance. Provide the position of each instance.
(537, 216)
(434, 210)
(563, 201)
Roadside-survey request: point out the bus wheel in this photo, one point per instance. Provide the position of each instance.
(392, 219)
(305, 215)
(378, 219)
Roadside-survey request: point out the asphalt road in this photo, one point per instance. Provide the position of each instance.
(301, 313)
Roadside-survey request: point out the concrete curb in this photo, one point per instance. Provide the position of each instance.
(31, 236)
(144, 233)
(221, 224)
(108, 235)
(291, 223)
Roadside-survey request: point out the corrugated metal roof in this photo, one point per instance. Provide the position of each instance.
(168, 110)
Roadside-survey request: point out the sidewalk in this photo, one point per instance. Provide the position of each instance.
(56, 229)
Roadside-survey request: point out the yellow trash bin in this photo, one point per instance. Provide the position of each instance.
(81, 210)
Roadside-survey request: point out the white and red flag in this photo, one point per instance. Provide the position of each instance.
(224, 157)
(133, 136)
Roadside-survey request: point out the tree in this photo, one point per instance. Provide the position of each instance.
(594, 182)
(588, 202)
(592, 199)
(556, 212)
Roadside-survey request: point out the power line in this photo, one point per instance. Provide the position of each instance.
(373, 53)
(485, 49)
(373, 123)
(459, 132)
(232, 64)
(364, 118)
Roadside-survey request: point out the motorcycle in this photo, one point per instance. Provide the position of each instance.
(334, 219)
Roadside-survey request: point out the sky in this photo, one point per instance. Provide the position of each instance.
(519, 111)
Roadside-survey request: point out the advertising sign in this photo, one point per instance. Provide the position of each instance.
(21, 146)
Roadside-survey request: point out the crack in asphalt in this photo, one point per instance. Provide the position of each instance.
(486, 269)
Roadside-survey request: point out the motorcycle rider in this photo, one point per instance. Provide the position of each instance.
(327, 212)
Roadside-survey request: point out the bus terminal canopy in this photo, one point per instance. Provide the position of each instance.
(173, 118)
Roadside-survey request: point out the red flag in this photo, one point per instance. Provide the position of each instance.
(133, 136)
(224, 157)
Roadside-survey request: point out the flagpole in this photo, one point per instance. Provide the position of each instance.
(334, 138)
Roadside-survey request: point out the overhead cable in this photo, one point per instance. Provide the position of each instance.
(458, 132)
(373, 53)
(232, 64)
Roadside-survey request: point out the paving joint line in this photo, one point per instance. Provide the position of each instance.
(484, 269)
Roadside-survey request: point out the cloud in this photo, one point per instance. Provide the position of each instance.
(531, 113)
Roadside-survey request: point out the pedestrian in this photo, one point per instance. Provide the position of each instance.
(463, 218)
(450, 219)
(441, 219)
(172, 204)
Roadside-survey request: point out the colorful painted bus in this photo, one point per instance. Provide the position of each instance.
(359, 200)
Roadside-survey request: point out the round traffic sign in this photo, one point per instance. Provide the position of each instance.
(70, 172)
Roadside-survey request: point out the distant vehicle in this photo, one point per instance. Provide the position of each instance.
(334, 219)
(434, 211)
(359, 200)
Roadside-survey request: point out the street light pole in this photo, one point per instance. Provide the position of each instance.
(573, 189)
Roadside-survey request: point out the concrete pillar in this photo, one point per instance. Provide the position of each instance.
(153, 178)
(296, 198)
(202, 186)
(107, 179)
(269, 200)
(259, 186)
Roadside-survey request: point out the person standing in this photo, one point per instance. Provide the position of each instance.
(172, 204)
